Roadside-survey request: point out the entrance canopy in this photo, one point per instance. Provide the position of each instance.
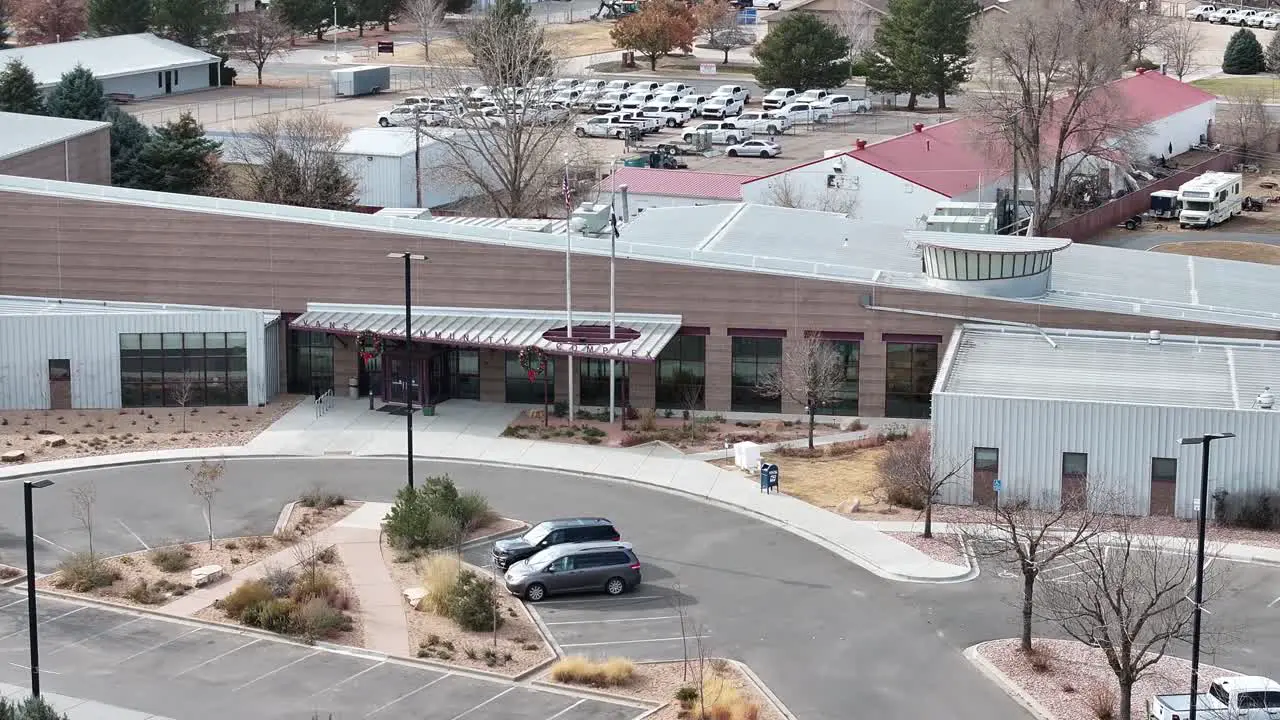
(636, 337)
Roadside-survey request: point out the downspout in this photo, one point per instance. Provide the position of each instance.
(963, 318)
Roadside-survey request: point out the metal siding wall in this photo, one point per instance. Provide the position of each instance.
(1120, 440)
(92, 344)
(145, 84)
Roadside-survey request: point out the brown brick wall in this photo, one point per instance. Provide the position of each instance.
(85, 249)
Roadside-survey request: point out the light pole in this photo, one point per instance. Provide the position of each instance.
(27, 487)
(335, 30)
(1204, 440)
(408, 353)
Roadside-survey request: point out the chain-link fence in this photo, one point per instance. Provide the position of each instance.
(872, 123)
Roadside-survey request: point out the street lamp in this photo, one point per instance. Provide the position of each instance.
(27, 487)
(408, 351)
(1204, 440)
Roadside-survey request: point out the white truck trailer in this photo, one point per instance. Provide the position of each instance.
(363, 80)
(1212, 198)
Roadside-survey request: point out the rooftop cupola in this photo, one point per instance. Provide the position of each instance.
(1012, 266)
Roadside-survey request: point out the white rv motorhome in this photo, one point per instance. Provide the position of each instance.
(1212, 198)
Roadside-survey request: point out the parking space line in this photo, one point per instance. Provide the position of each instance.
(613, 620)
(50, 542)
(156, 647)
(15, 602)
(566, 710)
(93, 636)
(1273, 603)
(408, 694)
(464, 713)
(344, 681)
(134, 534)
(286, 666)
(217, 657)
(42, 622)
(632, 642)
(597, 600)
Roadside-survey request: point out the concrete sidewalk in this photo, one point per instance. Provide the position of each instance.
(75, 708)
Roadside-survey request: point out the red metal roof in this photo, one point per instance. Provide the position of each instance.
(951, 158)
(678, 183)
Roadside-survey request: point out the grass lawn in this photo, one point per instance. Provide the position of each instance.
(1265, 86)
(1225, 250)
(831, 482)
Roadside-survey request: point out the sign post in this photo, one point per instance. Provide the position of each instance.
(995, 485)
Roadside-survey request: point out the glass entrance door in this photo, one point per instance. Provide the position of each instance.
(464, 374)
(400, 382)
(437, 388)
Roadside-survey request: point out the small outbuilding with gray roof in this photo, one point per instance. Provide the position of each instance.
(51, 148)
(1062, 416)
(130, 66)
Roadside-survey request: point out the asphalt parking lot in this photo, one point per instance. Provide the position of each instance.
(154, 665)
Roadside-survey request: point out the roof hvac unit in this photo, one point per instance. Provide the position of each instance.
(590, 219)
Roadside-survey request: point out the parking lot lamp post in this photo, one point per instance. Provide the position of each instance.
(27, 487)
(1204, 441)
(408, 354)
(335, 30)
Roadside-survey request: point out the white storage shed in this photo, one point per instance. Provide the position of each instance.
(62, 354)
(141, 65)
(1048, 412)
(381, 161)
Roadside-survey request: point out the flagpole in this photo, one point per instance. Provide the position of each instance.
(568, 285)
(613, 242)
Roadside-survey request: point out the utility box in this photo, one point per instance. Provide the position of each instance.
(363, 80)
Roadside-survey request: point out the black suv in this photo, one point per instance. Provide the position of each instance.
(552, 532)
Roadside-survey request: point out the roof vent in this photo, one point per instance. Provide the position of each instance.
(1265, 399)
(994, 265)
(918, 127)
(1153, 337)
(860, 144)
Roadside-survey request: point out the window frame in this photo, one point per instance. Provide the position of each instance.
(158, 369)
(746, 397)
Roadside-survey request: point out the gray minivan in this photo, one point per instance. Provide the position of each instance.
(575, 567)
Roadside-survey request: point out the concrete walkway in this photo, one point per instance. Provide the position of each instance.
(75, 708)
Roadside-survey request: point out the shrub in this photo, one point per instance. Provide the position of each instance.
(141, 592)
(314, 583)
(1040, 662)
(248, 594)
(171, 560)
(83, 572)
(904, 495)
(895, 431)
(273, 615)
(649, 420)
(472, 511)
(472, 604)
(316, 619)
(439, 573)
(406, 525)
(579, 670)
(256, 544)
(1102, 702)
(317, 498)
(720, 699)
(686, 694)
(33, 708)
(560, 408)
(328, 555)
(1252, 510)
(434, 515)
(591, 431)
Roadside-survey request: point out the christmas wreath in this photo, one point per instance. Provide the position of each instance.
(534, 361)
(369, 345)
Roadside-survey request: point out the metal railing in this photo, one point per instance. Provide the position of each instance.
(323, 402)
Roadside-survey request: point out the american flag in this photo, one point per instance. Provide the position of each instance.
(568, 194)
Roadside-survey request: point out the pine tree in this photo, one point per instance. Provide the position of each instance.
(119, 17)
(802, 51)
(178, 158)
(922, 48)
(1244, 54)
(1273, 54)
(78, 95)
(128, 139)
(308, 16)
(193, 23)
(18, 90)
(5, 31)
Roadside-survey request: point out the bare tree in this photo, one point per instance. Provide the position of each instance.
(182, 394)
(1128, 598)
(290, 160)
(783, 191)
(1047, 108)
(909, 465)
(514, 154)
(83, 498)
(1143, 30)
(427, 17)
(205, 482)
(1032, 534)
(718, 21)
(690, 395)
(810, 374)
(1244, 123)
(260, 37)
(1179, 46)
(857, 23)
(682, 612)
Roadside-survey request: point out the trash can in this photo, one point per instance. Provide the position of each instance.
(429, 410)
(353, 388)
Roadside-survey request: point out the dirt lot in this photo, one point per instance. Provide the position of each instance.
(836, 483)
(1244, 251)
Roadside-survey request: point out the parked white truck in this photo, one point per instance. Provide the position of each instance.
(1234, 698)
(1212, 198)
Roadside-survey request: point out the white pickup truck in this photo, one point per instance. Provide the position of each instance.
(646, 124)
(1234, 698)
(606, 126)
(721, 132)
(667, 114)
(764, 121)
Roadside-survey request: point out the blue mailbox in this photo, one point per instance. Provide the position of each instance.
(768, 477)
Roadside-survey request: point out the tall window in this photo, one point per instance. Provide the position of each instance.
(846, 402)
(986, 470)
(310, 362)
(1164, 485)
(682, 374)
(171, 369)
(521, 390)
(754, 358)
(593, 381)
(910, 369)
(1075, 480)
(464, 374)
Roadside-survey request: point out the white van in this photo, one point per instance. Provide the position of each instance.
(1212, 198)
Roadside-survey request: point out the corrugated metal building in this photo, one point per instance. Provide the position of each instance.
(1048, 412)
(141, 65)
(62, 354)
(55, 148)
(381, 161)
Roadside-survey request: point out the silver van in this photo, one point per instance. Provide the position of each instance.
(611, 567)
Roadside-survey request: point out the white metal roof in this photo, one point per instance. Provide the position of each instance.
(106, 57)
(394, 142)
(20, 305)
(1109, 367)
(23, 133)
(497, 328)
(802, 243)
(987, 243)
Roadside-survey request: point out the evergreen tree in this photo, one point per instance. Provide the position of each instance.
(78, 95)
(18, 90)
(194, 23)
(129, 137)
(1273, 54)
(922, 48)
(1244, 54)
(178, 158)
(119, 17)
(309, 16)
(511, 9)
(33, 708)
(5, 32)
(802, 51)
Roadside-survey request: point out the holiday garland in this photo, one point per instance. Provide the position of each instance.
(534, 361)
(368, 345)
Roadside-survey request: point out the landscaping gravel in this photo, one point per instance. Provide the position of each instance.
(943, 547)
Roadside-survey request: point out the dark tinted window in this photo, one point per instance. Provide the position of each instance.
(590, 560)
(603, 532)
(617, 558)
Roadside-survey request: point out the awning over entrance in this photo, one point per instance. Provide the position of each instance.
(636, 337)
